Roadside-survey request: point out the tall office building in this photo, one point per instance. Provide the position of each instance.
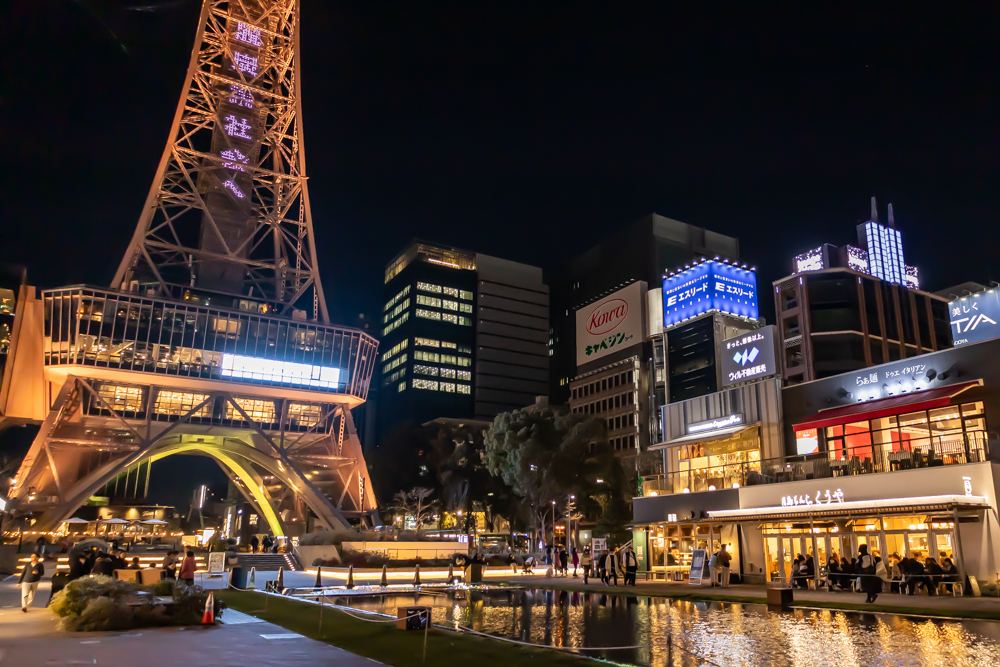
(846, 308)
(463, 336)
(607, 315)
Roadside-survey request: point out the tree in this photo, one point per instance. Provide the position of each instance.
(545, 456)
(416, 503)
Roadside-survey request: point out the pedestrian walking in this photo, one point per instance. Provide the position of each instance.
(602, 566)
(187, 569)
(548, 554)
(254, 543)
(870, 583)
(31, 574)
(614, 563)
(576, 561)
(564, 561)
(631, 564)
(586, 562)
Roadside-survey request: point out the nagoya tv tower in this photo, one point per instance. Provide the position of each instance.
(214, 338)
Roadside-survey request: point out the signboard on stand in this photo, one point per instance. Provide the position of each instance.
(217, 562)
(699, 561)
(599, 544)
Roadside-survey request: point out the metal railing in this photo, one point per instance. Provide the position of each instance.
(975, 447)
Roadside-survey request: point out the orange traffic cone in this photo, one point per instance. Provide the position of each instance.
(208, 618)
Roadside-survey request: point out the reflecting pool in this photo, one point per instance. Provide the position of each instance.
(682, 633)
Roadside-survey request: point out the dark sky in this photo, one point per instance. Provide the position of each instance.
(530, 130)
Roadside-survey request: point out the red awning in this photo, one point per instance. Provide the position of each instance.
(885, 407)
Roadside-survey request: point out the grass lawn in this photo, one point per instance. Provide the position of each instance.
(383, 642)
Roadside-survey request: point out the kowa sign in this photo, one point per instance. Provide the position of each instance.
(610, 324)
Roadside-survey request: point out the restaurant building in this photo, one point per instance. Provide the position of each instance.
(900, 457)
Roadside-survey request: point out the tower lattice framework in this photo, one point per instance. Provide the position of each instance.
(228, 210)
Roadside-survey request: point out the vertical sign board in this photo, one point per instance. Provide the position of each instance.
(749, 356)
(975, 318)
(639, 547)
(610, 324)
(709, 286)
(598, 544)
(699, 561)
(216, 562)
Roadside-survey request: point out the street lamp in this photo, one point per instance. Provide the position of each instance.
(553, 524)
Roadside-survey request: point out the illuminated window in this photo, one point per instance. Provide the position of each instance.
(448, 387)
(419, 355)
(425, 384)
(245, 63)
(448, 373)
(450, 346)
(181, 403)
(237, 127)
(285, 372)
(389, 304)
(256, 409)
(431, 301)
(304, 414)
(464, 389)
(448, 317)
(396, 311)
(241, 95)
(465, 295)
(449, 305)
(395, 323)
(248, 34)
(402, 386)
(8, 302)
(225, 325)
(466, 307)
(401, 359)
(465, 375)
(465, 349)
(398, 347)
(127, 399)
(464, 361)
(428, 342)
(427, 287)
(427, 314)
(451, 291)
(234, 160)
(449, 359)
(465, 321)
(420, 369)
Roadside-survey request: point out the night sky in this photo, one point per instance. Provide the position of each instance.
(531, 130)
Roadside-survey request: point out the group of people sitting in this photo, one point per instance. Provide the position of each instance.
(867, 572)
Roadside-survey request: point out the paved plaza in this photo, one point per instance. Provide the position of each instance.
(240, 640)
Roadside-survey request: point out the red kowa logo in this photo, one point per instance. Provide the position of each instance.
(607, 316)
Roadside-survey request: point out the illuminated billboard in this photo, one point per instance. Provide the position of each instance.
(610, 324)
(283, 372)
(709, 286)
(975, 318)
(749, 356)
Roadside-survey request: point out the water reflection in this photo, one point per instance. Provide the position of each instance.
(679, 633)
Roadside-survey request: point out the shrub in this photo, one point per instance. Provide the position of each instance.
(101, 613)
(73, 599)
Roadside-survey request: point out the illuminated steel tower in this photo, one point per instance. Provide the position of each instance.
(199, 346)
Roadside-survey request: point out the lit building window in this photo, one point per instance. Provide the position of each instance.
(451, 291)
(449, 305)
(448, 317)
(419, 383)
(449, 359)
(304, 414)
(401, 359)
(465, 375)
(465, 349)
(256, 409)
(448, 373)
(127, 399)
(465, 295)
(181, 403)
(396, 311)
(248, 34)
(465, 321)
(431, 301)
(448, 387)
(285, 372)
(426, 356)
(237, 127)
(450, 346)
(393, 300)
(427, 287)
(245, 63)
(395, 323)
(464, 389)
(427, 314)
(420, 369)
(398, 347)
(466, 307)
(402, 386)
(464, 361)
(428, 342)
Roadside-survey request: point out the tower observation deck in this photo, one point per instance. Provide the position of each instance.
(214, 338)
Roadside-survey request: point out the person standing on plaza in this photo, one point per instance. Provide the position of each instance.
(564, 561)
(602, 566)
(548, 554)
(170, 565)
(187, 569)
(870, 583)
(613, 564)
(254, 543)
(31, 574)
(631, 564)
(576, 561)
(723, 561)
(586, 562)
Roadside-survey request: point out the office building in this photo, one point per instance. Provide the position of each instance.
(851, 307)
(463, 336)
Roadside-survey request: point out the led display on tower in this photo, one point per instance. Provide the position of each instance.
(885, 253)
(709, 286)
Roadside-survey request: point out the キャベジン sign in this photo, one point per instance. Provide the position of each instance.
(610, 324)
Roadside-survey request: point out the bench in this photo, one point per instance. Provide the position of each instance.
(957, 589)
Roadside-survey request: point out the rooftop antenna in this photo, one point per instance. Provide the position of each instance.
(874, 211)
(892, 222)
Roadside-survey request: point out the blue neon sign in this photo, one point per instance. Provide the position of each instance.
(709, 286)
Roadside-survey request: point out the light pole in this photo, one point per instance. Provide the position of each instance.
(553, 542)
(569, 521)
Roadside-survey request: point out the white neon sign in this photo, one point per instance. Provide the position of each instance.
(285, 372)
(715, 424)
